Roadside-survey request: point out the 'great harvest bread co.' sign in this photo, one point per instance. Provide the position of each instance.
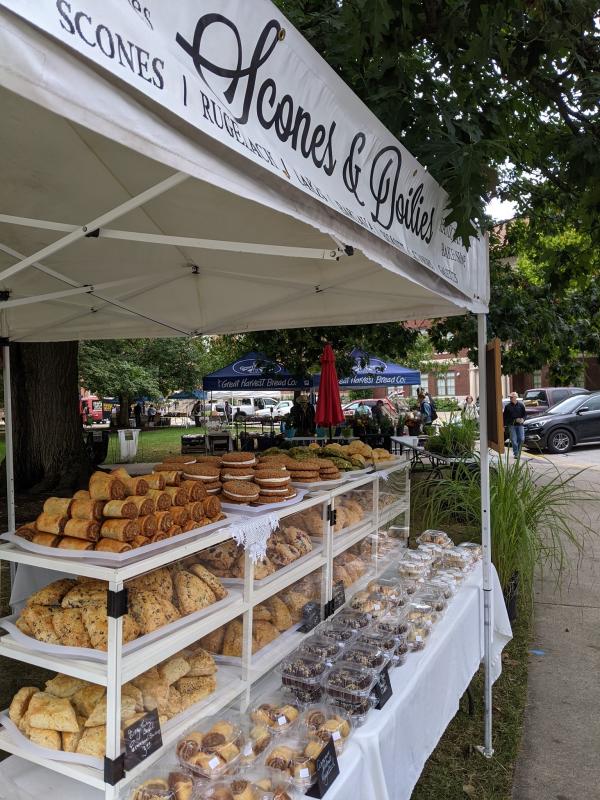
(239, 72)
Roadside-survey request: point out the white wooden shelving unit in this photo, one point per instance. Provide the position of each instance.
(390, 503)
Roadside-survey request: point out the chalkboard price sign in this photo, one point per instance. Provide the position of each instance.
(327, 770)
(142, 739)
(311, 616)
(383, 689)
(339, 595)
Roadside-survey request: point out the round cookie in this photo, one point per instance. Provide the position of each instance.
(202, 472)
(238, 460)
(241, 491)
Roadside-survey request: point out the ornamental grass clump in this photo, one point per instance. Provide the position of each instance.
(533, 517)
(454, 439)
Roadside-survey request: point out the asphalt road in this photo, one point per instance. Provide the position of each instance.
(582, 457)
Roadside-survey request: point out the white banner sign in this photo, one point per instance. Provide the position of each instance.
(239, 72)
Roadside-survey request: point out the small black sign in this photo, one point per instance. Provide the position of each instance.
(142, 739)
(311, 616)
(327, 770)
(339, 595)
(383, 689)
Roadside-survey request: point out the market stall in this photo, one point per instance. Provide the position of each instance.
(254, 191)
(370, 372)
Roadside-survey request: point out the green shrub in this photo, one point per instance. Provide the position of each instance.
(454, 439)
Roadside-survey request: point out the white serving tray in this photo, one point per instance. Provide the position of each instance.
(236, 661)
(319, 484)
(39, 752)
(88, 654)
(243, 508)
(114, 559)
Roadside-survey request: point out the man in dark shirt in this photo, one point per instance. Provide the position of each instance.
(514, 417)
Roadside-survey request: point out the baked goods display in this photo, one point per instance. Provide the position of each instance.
(302, 675)
(176, 785)
(119, 513)
(276, 713)
(212, 749)
(235, 788)
(69, 714)
(435, 537)
(72, 612)
(295, 757)
(350, 511)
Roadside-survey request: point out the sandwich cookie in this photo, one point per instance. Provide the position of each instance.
(238, 460)
(240, 491)
(207, 473)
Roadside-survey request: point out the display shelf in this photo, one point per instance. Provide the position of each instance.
(11, 552)
(235, 680)
(392, 511)
(346, 538)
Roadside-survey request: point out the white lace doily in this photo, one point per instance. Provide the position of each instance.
(252, 534)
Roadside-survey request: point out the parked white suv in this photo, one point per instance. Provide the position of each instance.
(282, 408)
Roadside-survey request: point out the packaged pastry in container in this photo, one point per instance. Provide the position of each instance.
(371, 603)
(295, 756)
(445, 585)
(440, 538)
(391, 589)
(257, 738)
(421, 612)
(387, 643)
(232, 788)
(277, 783)
(417, 635)
(302, 675)
(433, 597)
(436, 552)
(212, 748)
(349, 683)
(458, 558)
(452, 572)
(472, 548)
(415, 565)
(276, 713)
(394, 623)
(323, 648)
(166, 784)
(368, 657)
(350, 618)
(357, 711)
(342, 634)
(327, 722)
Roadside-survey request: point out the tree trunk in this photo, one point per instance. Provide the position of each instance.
(123, 415)
(50, 453)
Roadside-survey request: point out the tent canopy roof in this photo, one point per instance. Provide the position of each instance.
(77, 143)
(376, 372)
(252, 372)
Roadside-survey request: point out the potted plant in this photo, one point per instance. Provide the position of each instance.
(454, 439)
(532, 521)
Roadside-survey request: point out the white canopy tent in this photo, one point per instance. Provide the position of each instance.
(199, 169)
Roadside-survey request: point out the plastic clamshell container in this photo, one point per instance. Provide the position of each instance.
(421, 612)
(257, 739)
(357, 711)
(325, 722)
(446, 586)
(417, 635)
(341, 634)
(350, 618)
(295, 757)
(457, 574)
(349, 683)
(434, 550)
(212, 748)
(323, 648)
(303, 675)
(369, 658)
(455, 558)
(391, 589)
(431, 536)
(163, 786)
(395, 623)
(276, 713)
(414, 570)
(434, 598)
(472, 548)
(378, 640)
(372, 603)
(231, 787)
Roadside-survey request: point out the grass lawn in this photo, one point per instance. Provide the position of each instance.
(153, 445)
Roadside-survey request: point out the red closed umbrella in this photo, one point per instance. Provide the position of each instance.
(329, 408)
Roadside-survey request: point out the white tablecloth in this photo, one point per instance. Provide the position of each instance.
(385, 757)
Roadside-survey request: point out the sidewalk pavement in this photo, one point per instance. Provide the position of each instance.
(559, 755)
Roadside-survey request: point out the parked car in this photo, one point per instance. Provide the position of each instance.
(574, 421)
(538, 401)
(350, 408)
(282, 408)
(248, 406)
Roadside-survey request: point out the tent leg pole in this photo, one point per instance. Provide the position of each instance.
(486, 535)
(8, 434)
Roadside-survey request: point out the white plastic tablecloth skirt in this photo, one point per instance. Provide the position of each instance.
(385, 757)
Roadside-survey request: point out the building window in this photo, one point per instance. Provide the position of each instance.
(537, 379)
(446, 385)
(414, 390)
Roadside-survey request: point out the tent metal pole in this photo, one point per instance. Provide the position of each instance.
(89, 229)
(486, 534)
(8, 434)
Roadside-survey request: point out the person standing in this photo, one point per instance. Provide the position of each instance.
(514, 416)
(425, 408)
(137, 413)
(470, 410)
(197, 413)
(227, 409)
(378, 412)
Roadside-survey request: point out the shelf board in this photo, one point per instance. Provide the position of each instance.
(346, 538)
(93, 671)
(282, 579)
(274, 652)
(392, 511)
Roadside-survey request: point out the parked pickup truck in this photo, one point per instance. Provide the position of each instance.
(538, 401)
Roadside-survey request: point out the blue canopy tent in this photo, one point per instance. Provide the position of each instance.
(195, 394)
(253, 372)
(376, 372)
